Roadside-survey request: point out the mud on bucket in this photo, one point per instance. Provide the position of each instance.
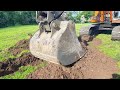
(62, 48)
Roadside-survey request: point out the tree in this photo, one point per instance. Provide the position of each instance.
(87, 14)
(27, 17)
(70, 17)
(83, 19)
(78, 14)
(3, 19)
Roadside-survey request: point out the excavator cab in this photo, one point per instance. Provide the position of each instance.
(56, 40)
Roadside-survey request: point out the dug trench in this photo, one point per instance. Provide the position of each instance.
(94, 65)
(12, 65)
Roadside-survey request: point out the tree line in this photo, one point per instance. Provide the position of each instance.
(12, 18)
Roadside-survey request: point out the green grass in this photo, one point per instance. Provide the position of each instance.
(23, 72)
(78, 26)
(109, 47)
(11, 35)
(8, 38)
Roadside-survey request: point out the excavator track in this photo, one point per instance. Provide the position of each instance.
(116, 33)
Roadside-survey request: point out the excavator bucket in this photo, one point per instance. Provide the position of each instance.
(56, 39)
(62, 47)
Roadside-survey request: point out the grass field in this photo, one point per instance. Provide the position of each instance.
(109, 47)
(11, 35)
(78, 26)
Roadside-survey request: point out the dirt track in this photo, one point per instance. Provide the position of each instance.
(95, 65)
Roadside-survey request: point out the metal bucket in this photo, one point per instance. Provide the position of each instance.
(63, 47)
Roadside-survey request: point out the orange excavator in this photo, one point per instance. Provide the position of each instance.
(103, 20)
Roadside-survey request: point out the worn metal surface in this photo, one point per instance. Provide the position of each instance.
(62, 47)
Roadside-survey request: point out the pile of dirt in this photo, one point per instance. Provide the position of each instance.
(95, 65)
(53, 71)
(19, 47)
(12, 65)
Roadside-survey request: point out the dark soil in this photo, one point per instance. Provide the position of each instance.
(12, 65)
(19, 47)
(95, 65)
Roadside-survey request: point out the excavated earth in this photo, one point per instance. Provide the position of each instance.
(94, 65)
(11, 65)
